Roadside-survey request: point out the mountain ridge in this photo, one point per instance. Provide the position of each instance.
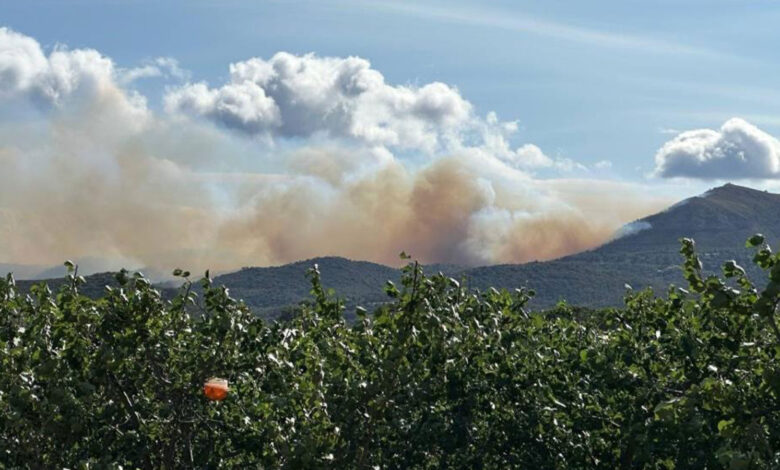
(643, 254)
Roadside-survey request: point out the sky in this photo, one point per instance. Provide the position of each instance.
(256, 133)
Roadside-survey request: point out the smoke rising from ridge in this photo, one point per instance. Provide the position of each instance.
(270, 168)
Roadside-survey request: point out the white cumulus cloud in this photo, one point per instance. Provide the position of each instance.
(166, 67)
(528, 156)
(64, 78)
(738, 150)
(243, 106)
(302, 96)
(21, 61)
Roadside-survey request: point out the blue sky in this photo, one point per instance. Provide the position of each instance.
(255, 133)
(586, 80)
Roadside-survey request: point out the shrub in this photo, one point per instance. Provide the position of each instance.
(443, 376)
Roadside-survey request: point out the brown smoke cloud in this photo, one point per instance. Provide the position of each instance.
(120, 200)
(453, 210)
(90, 171)
(76, 187)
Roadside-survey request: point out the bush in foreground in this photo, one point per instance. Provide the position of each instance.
(441, 377)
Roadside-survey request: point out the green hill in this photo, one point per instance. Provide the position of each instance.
(719, 220)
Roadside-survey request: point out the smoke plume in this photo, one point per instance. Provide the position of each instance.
(295, 157)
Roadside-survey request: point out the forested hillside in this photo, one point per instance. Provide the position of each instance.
(645, 253)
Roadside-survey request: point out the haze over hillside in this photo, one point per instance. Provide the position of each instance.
(644, 253)
(719, 220)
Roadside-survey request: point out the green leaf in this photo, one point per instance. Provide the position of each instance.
(754, 241)
(724, 424)
(69, 265)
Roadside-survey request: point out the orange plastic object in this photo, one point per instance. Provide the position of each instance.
(216, 389)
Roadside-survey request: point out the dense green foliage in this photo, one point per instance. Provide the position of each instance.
(441, 377)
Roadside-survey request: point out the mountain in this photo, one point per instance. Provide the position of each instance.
(275, 287)
(23, 271)
(88, 266)
(269, 290)
(642, 254)
(95, 286)
(646, 255)
(718, 219)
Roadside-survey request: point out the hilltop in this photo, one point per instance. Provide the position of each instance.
(645, 252)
